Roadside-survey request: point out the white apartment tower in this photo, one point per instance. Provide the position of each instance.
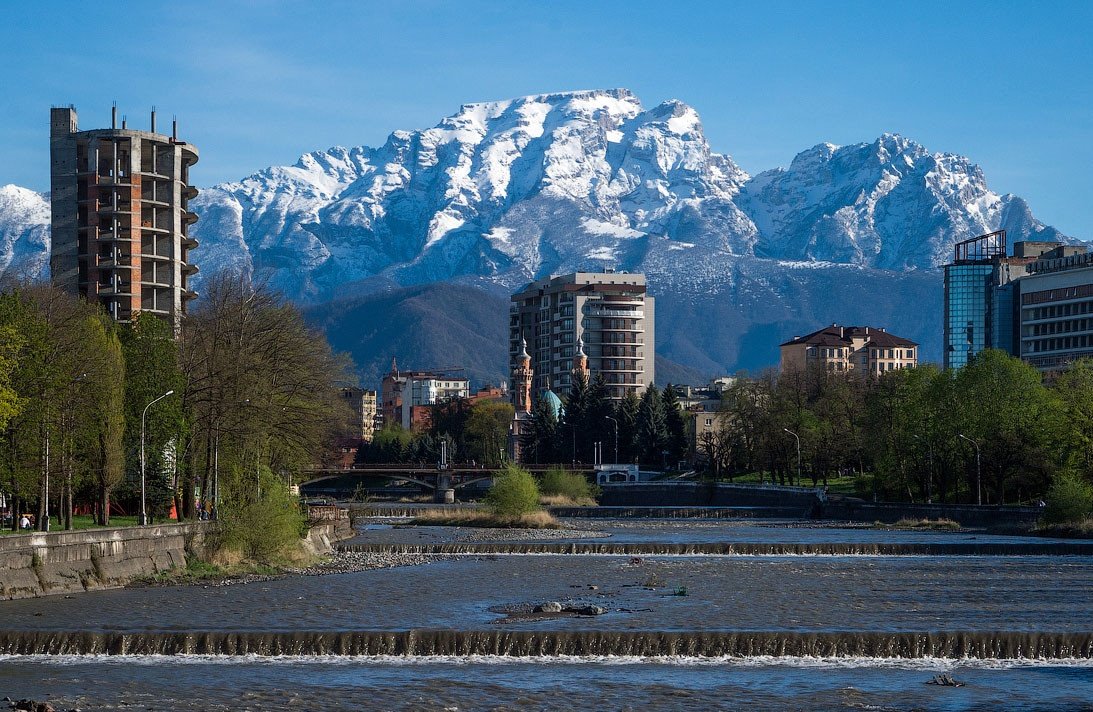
(610, 312)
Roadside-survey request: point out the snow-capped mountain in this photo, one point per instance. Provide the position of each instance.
(503, 192)
(24, 232)
(512, 190)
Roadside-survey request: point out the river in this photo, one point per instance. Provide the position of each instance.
(813, 632)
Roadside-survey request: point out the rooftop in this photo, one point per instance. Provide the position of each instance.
(836, 335)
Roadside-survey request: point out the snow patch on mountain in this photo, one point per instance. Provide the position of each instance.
(502, 192)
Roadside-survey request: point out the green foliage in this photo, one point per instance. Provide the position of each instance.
(262, 528)
(1069, 499)
(10, 344)
(675, 426)
(540, 444)
(567, 484)
(513, 493)
(652, 427)
(487, 431)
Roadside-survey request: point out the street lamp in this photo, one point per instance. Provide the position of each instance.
(978, 470)
(797, 437)
(616, 437)
(143, 519)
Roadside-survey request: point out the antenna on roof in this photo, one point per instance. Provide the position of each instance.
(114, 115)
(153, 118)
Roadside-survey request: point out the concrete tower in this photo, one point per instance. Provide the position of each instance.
(120, 216)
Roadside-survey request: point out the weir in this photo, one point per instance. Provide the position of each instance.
(736, 548)
(977, 645)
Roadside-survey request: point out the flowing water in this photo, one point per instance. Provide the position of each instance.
(676, 632)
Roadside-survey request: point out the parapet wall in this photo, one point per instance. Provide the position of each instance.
(801, 502)
(42, 563)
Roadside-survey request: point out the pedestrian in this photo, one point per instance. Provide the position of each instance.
(24, 523)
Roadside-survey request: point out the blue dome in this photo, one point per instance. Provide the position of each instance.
(554, 402)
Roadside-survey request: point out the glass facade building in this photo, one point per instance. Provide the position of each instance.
(968, 289)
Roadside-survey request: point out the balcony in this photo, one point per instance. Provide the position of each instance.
(121, 289)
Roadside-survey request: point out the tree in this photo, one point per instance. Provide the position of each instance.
(626, 412)
(487, 431)
(540, 444)
(1019, 424)
(11, 342)
(514, 493)
(151, 369)
(1075, 388)
(261, 385)
(652, 427)
(675, 425)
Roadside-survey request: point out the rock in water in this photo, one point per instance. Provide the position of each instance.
(549, 607)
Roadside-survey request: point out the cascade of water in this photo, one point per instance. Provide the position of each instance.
(738, 548)
(520, 643)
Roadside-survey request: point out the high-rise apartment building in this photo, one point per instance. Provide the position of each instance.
(362, 404)
(120, 216)
(610, 314)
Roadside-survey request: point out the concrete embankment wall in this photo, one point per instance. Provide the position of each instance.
(791, 502)
(43, 563)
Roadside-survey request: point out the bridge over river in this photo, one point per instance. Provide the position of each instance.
(441, 481)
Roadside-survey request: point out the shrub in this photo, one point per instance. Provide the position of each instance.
(514, 493)
(564, 483)
(1070, 499)
(265, 529)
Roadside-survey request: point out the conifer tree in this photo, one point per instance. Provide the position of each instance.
(675, 425)
(652, 427)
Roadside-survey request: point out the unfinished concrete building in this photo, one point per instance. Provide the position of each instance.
(120, 216)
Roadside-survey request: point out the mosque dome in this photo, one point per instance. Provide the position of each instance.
(554, 402)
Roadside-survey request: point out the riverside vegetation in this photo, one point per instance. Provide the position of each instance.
(228, 442)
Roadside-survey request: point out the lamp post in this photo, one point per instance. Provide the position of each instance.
(616, 437)
(978, 470)
(798, 439)
(143, 519)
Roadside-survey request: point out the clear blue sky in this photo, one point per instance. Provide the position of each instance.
(1009, 84)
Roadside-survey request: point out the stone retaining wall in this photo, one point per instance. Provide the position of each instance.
(44, 563)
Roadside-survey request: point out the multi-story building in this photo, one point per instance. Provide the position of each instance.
(407, 395)
(120, 216)
(362, 403)
(864, 349)
(981, 311)
(1055, 302)
(610, 314)
(991, 301)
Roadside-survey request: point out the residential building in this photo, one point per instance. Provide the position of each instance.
(120, 216)
(864, 349)
(610, 313)
(406, 396)
(363, 406)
